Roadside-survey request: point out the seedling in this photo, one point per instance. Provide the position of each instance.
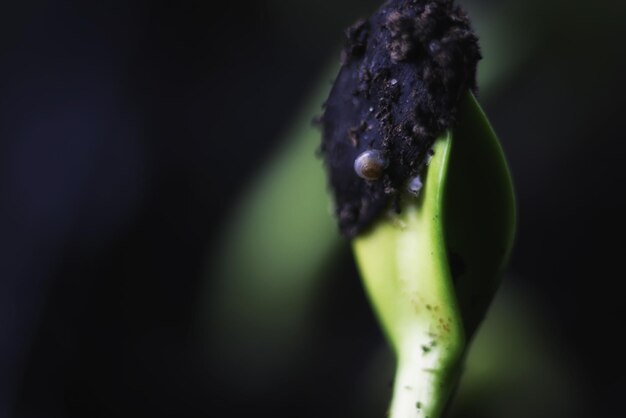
(422, 188)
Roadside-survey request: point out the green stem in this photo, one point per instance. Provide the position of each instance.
(466, 210)
(404, 266)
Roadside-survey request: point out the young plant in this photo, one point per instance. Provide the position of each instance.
(421, 187)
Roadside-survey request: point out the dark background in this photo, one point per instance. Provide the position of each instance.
(127, 129)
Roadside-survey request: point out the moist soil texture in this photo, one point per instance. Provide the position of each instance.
(403, 73)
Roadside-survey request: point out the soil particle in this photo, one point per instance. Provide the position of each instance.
(404, 71)
(356, 36)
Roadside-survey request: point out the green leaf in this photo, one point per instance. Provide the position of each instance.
(463, 221)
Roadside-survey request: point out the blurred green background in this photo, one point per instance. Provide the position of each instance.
(167, 245)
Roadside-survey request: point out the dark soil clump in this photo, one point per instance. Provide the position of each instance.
(404, 71)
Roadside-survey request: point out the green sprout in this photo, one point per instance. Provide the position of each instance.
(465, 211)
(429, 203)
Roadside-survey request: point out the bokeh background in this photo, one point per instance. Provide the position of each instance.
(165, 244)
